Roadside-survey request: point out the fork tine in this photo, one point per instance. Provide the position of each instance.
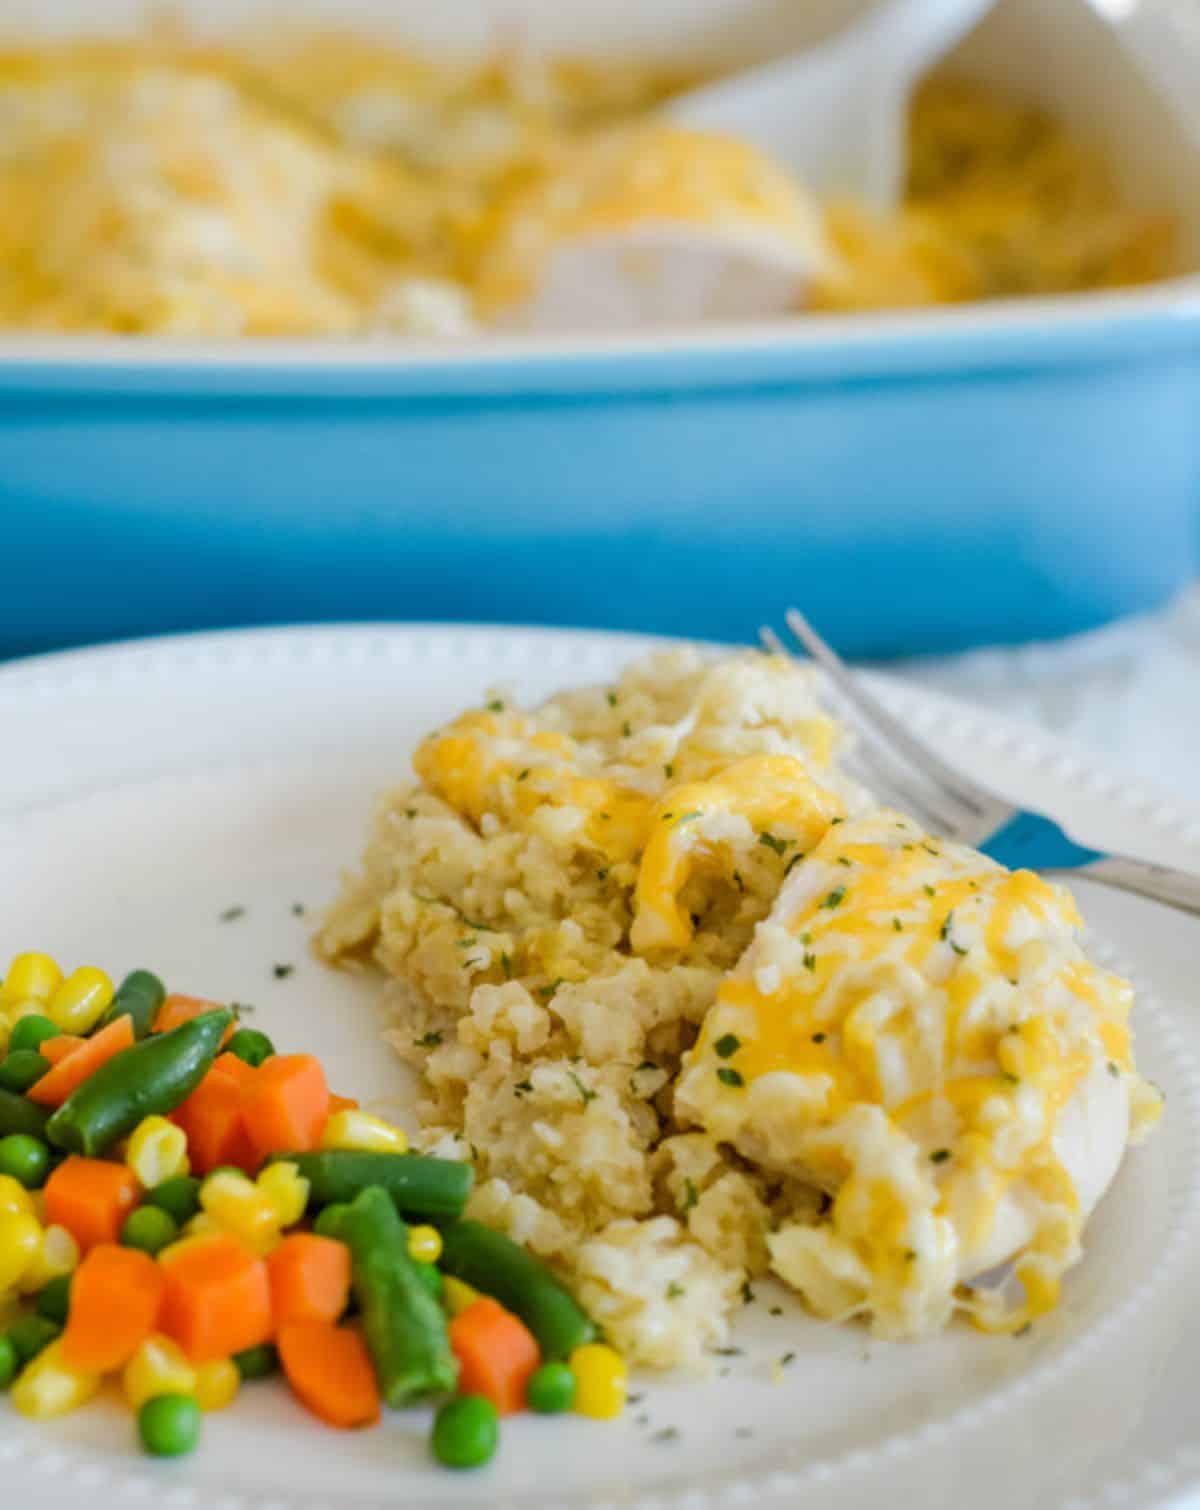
(889, 777)
(954, 783)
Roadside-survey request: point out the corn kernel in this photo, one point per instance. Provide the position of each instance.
(360, 1130)
(20, 1240)
(286, 1190)
(159, 1367)
(31, 976)
(81, 1001)
(157, 1151)
(47, 1387)
(235, 1203)
(217, 1384)
(424, 1244)
(14, 1197)
(600, 1380)
(57, 1254)
(457, 1295)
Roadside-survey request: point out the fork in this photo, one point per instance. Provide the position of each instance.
(906, 773)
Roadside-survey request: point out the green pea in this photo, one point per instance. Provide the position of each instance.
(21, 1069)
(29, 1033)
(551, 1389)
(10, 1364)
(251, 1045)
(169, 1425)
(466, 1431)
(25, 1158)
(54, 1302)
(179, 1197)
(150, 1229)
(30, 1334)
(431, 1276)
(257, 1362)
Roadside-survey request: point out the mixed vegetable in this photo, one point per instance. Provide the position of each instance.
(188, 1210)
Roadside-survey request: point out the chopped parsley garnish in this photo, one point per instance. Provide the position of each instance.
(929, 890)
(771, 842)
(944, 930)
(776, 1311)
(297, 909)
(835, 897)
(1011, 1078)
(810, 961)
(1024, 1331)
(737, 880)
(231, 914)
(818, 1038)
(602, 873)
(1114, 1069)
(674, 1291)
(506, 965)
(747, 1293)
(727, 1045)
(939, 1155)
(523, 1087)
(786, 1359)
(930, 850)
(281, 972)
(687, 817)
(523, 775)
(668, 770)
(585, 1091)
(794, 861)
(728, 1076)
(428, 1040)
(690, 1194)
(410, 812)
(496, 705)
(844, 860)
(546, 992)
(646, 1064)
(612, 699)
(667, 1434)
(833, 822)
(910, 1255)
(897, 925)
(626, 729)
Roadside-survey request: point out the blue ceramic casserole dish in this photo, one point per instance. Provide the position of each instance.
(924, 481)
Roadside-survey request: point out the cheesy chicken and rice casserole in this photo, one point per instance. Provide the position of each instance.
(329, 185)
(698, 1010)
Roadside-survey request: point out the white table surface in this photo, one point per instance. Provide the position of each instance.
(1129, 692)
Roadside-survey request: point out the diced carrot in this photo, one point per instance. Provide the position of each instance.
(496, 1353)
(287, 1105)
(70, 1072)
(90, 1198)
(176, 1010)
(212, 1119)
(330, 1372)
(216, 1297)
(57, 1049)
(237, 1069)
(342, 1104)
(310, 1278)
(116, 1294)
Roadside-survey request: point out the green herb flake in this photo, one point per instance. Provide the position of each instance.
(786, 1359)
(669, 770)
(727, 1045)
(523, 775)
(929, 890)
(844, 860)
(810, 961)
(818, 1038)
(602, 873)
(1114, 1069)
(897, 925)
(546, 992)
(728, 1076)
(612, 699)
(747, 1293)
(523, 1087)
(496, 705)
(281, 972)
(835, 898)
(939, 1155)
(910, 1255)
(690, 1194)
(506, 965)
(737, 880)
(626, 728)
(428, 1040)
(687, 817)
(674, 1291)
(585, 1091)
(773, 843)
(231, 914)
(791, 864)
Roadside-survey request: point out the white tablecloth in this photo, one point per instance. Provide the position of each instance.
(1129, 692)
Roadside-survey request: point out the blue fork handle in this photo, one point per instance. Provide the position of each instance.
(1029, 841)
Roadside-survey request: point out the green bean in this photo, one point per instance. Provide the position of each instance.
(420, 1186)
(150, 1079)
(138, 997)
(403, 1324)
(19, 1115)
(497, 1266)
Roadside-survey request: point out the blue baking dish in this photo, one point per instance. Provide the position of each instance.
(923, 481)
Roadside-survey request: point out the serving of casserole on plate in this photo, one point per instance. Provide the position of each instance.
(271, 797)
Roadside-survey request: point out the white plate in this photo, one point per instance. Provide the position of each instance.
(147, 789)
